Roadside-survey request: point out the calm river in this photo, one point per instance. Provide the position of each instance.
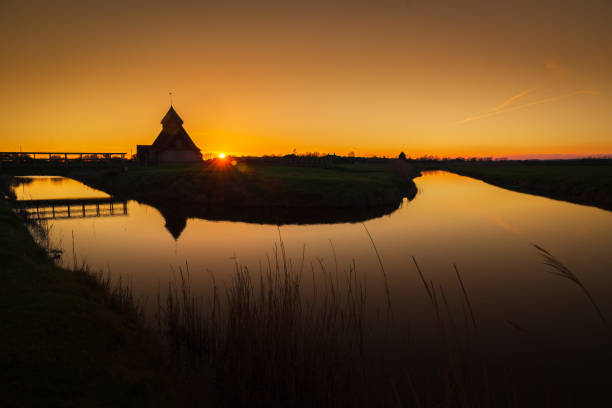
(485, 230)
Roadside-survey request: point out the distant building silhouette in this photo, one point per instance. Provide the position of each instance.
(173, 144)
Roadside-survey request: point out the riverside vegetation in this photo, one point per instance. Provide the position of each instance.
(584, 181)
(69, 337)
(257, 190)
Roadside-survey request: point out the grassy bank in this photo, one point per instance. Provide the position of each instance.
(586, 182)
(261, 192)
(67, 340)
(242, 185)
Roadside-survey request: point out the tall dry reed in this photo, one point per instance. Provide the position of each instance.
(560, 270)
(269, 344)
(267, 339)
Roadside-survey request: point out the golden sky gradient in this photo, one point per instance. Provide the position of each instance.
(374, 77)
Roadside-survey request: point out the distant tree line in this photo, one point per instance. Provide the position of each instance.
(316, 159)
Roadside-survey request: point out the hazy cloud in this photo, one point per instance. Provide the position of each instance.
(556, 69)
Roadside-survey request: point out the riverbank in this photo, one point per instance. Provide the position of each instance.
(66, 339)
(587, 182)
(272, 194)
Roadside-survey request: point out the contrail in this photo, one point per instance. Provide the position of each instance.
(510, 100)
(500, 109)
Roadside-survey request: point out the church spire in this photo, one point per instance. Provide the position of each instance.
(171, 119)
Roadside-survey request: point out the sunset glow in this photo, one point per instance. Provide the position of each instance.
(331, 203)
(375, 78)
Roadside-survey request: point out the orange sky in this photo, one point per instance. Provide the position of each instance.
(374, 77)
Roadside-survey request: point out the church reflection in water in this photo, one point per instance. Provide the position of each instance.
(175, 223)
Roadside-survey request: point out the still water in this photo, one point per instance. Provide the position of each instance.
(485, 230)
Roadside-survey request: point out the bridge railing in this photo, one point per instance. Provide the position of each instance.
(70, 208)
(36, 159)
(13, 157)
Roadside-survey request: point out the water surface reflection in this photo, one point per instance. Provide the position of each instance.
(487, 231)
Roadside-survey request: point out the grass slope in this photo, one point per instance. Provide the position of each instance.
(248, 185)
(64, 342)
(577, 182)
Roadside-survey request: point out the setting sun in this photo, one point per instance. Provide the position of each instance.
(222, 155)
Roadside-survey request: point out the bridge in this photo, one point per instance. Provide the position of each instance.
(45, 159)
(54, 209)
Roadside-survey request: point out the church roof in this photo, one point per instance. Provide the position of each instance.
(173, 135)
(171, 118)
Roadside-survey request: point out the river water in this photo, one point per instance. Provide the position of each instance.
(520, 307)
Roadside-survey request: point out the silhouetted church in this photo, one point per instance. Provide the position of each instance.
(173, 144)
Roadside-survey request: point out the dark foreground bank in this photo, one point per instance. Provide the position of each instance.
(67, 340)
(587, 182)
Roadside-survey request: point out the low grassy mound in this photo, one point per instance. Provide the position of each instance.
(66, 340)
(257, 185)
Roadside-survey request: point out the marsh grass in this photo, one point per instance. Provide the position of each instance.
(269, 344)
(268, 339)
(560, 270)
(119, 290)
(66, 339)
(462, 374)
(41, 232)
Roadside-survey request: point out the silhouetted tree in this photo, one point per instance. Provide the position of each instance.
(402, 156)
